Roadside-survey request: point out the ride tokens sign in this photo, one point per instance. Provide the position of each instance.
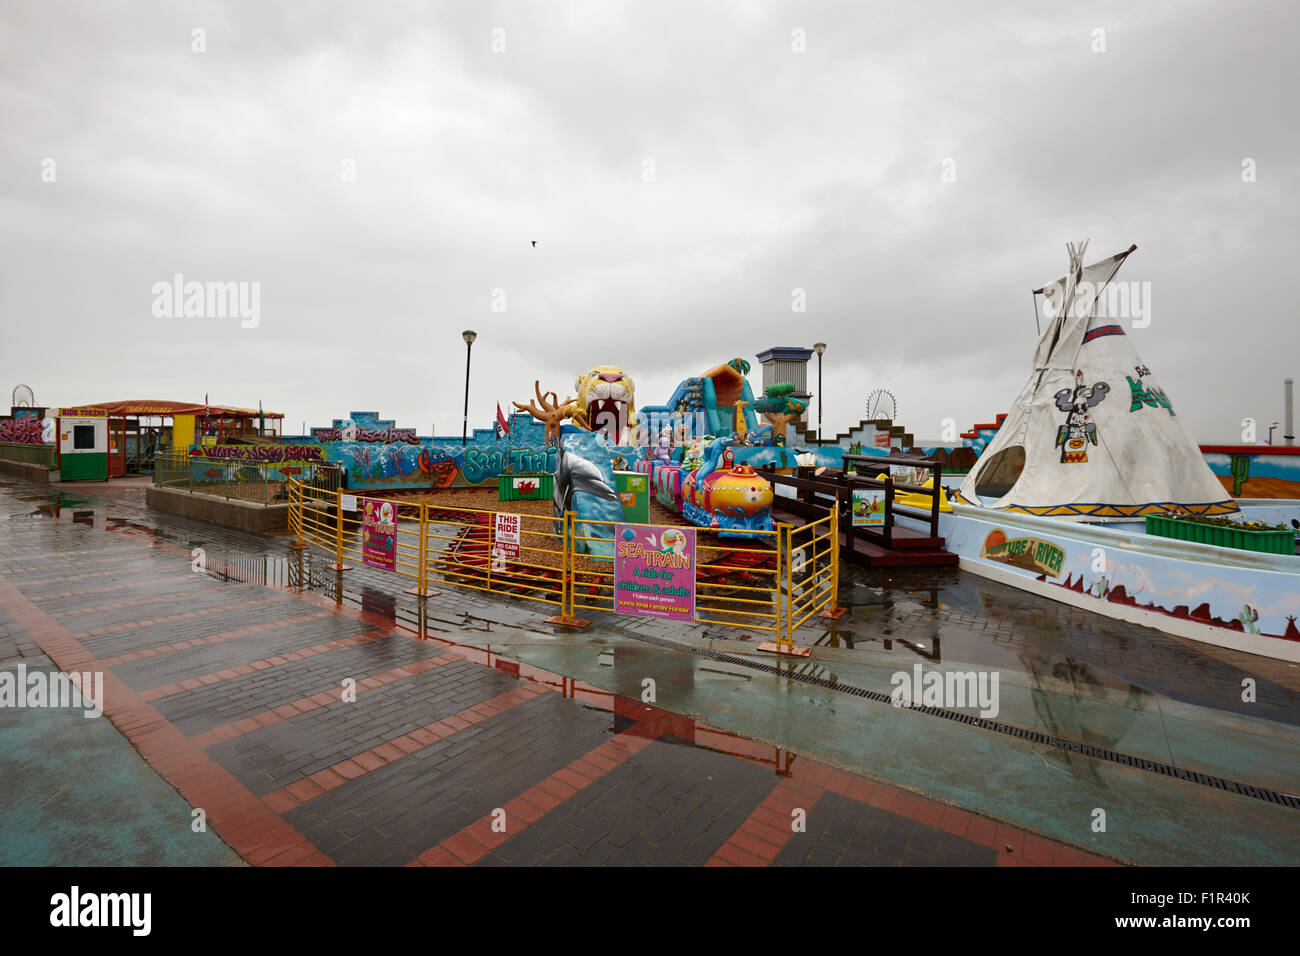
(379, 535)
(507, 536)
(654, 571)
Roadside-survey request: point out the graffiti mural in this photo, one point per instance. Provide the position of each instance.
(260, 453)
(26, 431)
(436, 464)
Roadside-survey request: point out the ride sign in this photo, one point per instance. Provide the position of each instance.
(379, 535)
(654, 571)
(507, 536)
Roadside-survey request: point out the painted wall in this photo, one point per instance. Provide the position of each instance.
(376, 455)
(1255, 471)
(1253, 603)
(26, 431)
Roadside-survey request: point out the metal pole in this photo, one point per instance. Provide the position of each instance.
(819, 398)
(1289, 435)
(464, 430)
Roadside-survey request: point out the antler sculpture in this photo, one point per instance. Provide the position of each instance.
(551, 414)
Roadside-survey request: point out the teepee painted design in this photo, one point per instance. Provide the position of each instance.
(1091, 434)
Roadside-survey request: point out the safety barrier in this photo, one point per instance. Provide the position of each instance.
(734, 586)
(770, 584)
(236, 478)
(43, 455)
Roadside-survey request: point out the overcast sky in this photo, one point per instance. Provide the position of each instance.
(683, 169)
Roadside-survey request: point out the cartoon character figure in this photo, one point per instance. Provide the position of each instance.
(1073, 437)
(663, 450)
(674, 541)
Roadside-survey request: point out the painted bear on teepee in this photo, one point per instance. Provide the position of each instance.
(1091, 435)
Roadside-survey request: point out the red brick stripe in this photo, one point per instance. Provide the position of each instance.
(209, 639)
(101, 590)
(308, 788)
(134, 602)
(179, 616)
(768, 829)
(128, 571)
(246, 823)
(759, 840)
(321, 699)
(478, 839)
(260, 665)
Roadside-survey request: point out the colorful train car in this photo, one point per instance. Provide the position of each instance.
(715, 492)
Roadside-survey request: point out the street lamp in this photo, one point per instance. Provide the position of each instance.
(1271, 426)
(469, 338)
(819, 348)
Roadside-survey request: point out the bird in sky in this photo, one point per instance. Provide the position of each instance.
(534, 243)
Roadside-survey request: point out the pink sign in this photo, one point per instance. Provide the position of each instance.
(654, 571)
(379, 534)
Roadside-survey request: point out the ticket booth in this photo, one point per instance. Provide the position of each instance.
(83, 447)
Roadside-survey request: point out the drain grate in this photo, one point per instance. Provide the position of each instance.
(1287, 800)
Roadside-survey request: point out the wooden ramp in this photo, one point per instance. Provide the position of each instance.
(910, 548)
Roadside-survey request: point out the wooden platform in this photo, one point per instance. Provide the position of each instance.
(911, 548)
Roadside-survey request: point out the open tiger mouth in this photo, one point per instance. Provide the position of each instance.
(607, 414)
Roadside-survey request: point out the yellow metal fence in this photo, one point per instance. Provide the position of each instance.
(771, 584)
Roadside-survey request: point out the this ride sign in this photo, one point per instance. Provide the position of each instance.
(654, 571)
(506, 544)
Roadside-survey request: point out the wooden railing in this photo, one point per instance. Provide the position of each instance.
(838, 485)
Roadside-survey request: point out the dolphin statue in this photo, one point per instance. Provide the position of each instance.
(575, 473)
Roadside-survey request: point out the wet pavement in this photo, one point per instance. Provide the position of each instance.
(498, 739)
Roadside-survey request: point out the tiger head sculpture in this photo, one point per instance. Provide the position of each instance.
(606, 402)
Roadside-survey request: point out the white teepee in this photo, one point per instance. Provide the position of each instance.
(1091, 435)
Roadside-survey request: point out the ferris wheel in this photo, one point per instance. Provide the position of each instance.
(881, 404)
(22, 397)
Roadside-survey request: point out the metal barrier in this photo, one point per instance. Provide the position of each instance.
(773, 585)
(44, 455)
(257, 482)
(814, 557)
(735, 586)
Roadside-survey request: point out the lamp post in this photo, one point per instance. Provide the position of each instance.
(819, 348)
(469, 338)
(1271, 426)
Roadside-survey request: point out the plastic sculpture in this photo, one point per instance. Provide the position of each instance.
(584, 484)
(551, 414)
(606, 402)
(729, 499)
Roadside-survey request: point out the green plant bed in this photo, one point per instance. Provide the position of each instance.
(1223, 534)
(525, 486)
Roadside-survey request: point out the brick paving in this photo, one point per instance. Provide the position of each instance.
(235, 693)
